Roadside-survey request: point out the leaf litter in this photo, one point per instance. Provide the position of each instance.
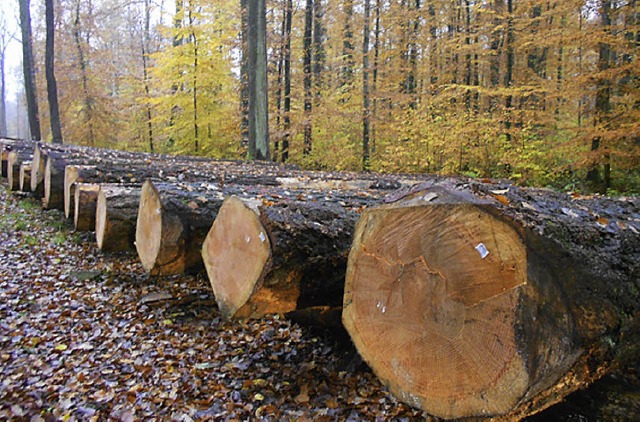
(89, 336)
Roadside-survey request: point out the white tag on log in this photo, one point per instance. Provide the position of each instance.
(262, 237)
(482, 250)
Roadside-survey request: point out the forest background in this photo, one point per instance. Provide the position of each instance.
(545, 93)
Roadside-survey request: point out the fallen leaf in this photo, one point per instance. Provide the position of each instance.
(303, 397)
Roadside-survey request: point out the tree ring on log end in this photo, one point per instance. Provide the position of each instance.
(235, 253)
(433, 312)
(149, 226)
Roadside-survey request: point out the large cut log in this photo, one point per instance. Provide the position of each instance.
(116, 214)
(474, 300)
(85, 202)
(172, 223)
(15, 159)
(25, 176)
(275, 257)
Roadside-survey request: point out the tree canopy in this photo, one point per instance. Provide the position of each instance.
(541, 92)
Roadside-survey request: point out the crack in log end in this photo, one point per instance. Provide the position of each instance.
(236, 252)
(149, 226)
(421, 300)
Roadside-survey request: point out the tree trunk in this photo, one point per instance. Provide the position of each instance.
(3, 87)
(171, 225)
(488, 300)
(52, 88)
(244, 75)
(287, 84)
(306, 68)
(146, 41)
(257, 75)
(116, 213)
(264, 257)
(366, 122)
(85, 199)
(29, 70)
(82, 64)
(347, 45)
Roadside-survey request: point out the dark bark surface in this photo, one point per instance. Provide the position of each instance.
(574, 319)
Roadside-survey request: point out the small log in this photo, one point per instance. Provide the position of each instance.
(275, 257)
(472, 300)
(116, 214)
(172, 223)
(54, 173)
(25, 176)
(85, 201)
(14, 161)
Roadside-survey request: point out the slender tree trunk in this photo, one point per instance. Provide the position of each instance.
(366, 123)
(257, 77)
(88, 101)
(376, 64)
(602, 104)
(280, 86)
(146, 41)
(52, 89)
(29, 69)
(287, 84)
(508, 76)
(194, 42)
(319, 54)
(308, 95)
(244, 76)
(347, 45)
(3, 93)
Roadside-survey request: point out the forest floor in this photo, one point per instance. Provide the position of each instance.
(89, 336)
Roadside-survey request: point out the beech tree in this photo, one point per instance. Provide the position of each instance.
(52, 88)
(29, 70)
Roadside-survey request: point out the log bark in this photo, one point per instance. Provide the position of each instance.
(275, 257)
(172, 223)
(85, 202)
(476, 300)
(116, 214)
(25, 176)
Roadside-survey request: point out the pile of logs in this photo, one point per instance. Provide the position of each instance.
(467, 298)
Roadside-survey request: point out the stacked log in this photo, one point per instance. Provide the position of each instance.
(476, 301)
(15, 159)
(172, 223)
(96, 174)
(267, 257)
(116, 214)
(85, 202)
